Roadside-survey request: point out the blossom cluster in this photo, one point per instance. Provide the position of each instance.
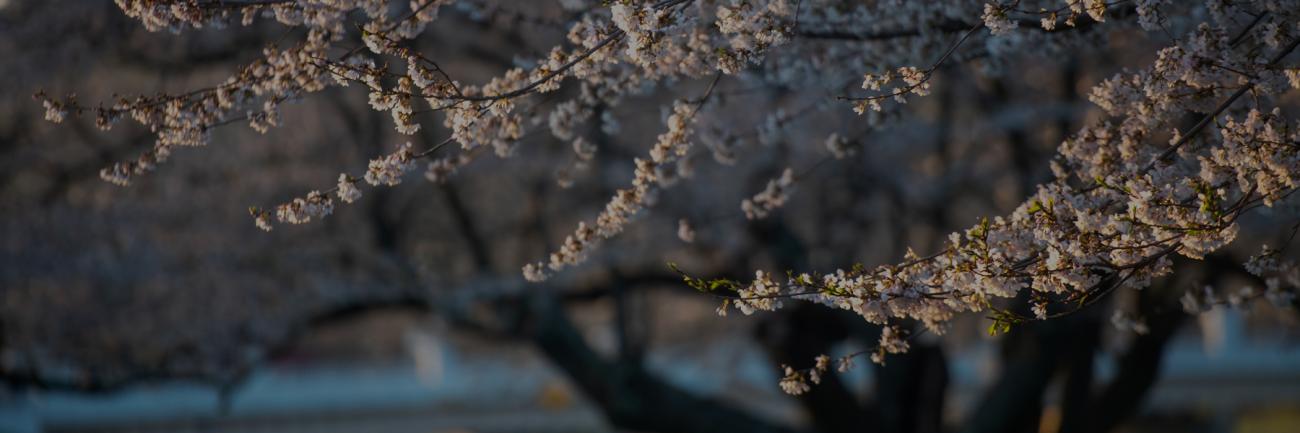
(798, 381)
(839, 146)
(386, 170)
(1121, 203)
(772, 197)
(907, 79)
(648, 177)
(1280, 278)
(254, 94)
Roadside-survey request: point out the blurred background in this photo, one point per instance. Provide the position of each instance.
(161, 308)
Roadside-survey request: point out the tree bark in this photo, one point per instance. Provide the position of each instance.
(631, 397)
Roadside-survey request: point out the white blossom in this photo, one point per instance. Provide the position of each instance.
(839, 146)
(773, 197)
(535, 272)
(347, 188)
(684, 231)
(996, 19)
(1125, 322)
(794, 382)
(389, 169)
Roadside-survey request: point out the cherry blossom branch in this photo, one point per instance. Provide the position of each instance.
(1223, 106)
(925, 74)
